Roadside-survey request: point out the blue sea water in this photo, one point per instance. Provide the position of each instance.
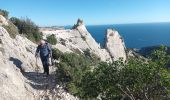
(135, 35)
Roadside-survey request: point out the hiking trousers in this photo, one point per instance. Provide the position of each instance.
(45, 62)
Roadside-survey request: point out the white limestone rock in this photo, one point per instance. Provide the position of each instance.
(77, 39)
(3, 21)
(16, 55)
(115, 45)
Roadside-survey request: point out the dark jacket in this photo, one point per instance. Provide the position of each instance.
(44, 51)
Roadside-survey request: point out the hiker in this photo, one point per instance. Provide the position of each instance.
(45, 53)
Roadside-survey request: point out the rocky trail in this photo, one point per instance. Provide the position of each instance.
(47, 86)
(19, 78)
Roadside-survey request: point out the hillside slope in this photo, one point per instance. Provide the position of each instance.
(19, 79)
(79, 39)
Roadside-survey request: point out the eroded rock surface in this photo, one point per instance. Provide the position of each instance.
(115, 45)
(19, 77)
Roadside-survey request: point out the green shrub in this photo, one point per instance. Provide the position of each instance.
(4, 13)
(83, 37)
(28, 28)
(52, 39)
(72, 68)
(136, 80)
(11, 29)
(56, 53)
(94, 58)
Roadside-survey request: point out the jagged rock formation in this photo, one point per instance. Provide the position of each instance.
(79, 39)
(17, 55)
(18, 77)
(115, 45)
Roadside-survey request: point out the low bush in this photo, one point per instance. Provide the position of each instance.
(83, 37)
(137, 80)
(11, 29)
(27, 28)
(52, 39)
(71, 69)
(4, 13)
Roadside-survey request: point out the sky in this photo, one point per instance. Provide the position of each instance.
(93, 12)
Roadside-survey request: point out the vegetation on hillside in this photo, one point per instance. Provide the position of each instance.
(11, 29)
(52, 39)
(79, 22)
(138, 79)
(85, 76)
(23, 26)
(147, 51)
(72, 68)
(27, 28)
(4, 13)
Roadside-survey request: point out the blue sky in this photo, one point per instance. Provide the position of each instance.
(93, 12)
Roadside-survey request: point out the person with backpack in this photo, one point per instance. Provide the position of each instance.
(45, 51)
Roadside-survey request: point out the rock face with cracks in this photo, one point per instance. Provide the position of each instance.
(79, 39)
(115, 45)
(19, 77)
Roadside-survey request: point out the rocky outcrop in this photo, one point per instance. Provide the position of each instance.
(13, 58)
(19, 79)
(12, 84)
(3, 21)
(115, 45)
(78, 39)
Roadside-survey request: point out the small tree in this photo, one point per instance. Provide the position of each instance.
(27, 28)
(4, 13)
(52, 39)
(137, 80)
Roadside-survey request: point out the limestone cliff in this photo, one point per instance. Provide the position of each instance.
(77, 39)
(80, 39)
(17, 55)
(115, 45)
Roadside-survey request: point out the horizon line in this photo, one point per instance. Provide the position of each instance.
(104, 24)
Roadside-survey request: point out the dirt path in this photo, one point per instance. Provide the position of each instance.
(46, 86)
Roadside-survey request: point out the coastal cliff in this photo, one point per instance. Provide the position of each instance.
(115, 45)
(79, 39)
(20, 72)
(20, 76)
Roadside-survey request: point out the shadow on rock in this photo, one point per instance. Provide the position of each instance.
(40, 81)
(16, 62)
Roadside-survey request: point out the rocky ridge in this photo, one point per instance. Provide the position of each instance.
(19, 78)
(80, 39)
(115, 45)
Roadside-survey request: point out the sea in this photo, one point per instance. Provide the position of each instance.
(135, 35)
